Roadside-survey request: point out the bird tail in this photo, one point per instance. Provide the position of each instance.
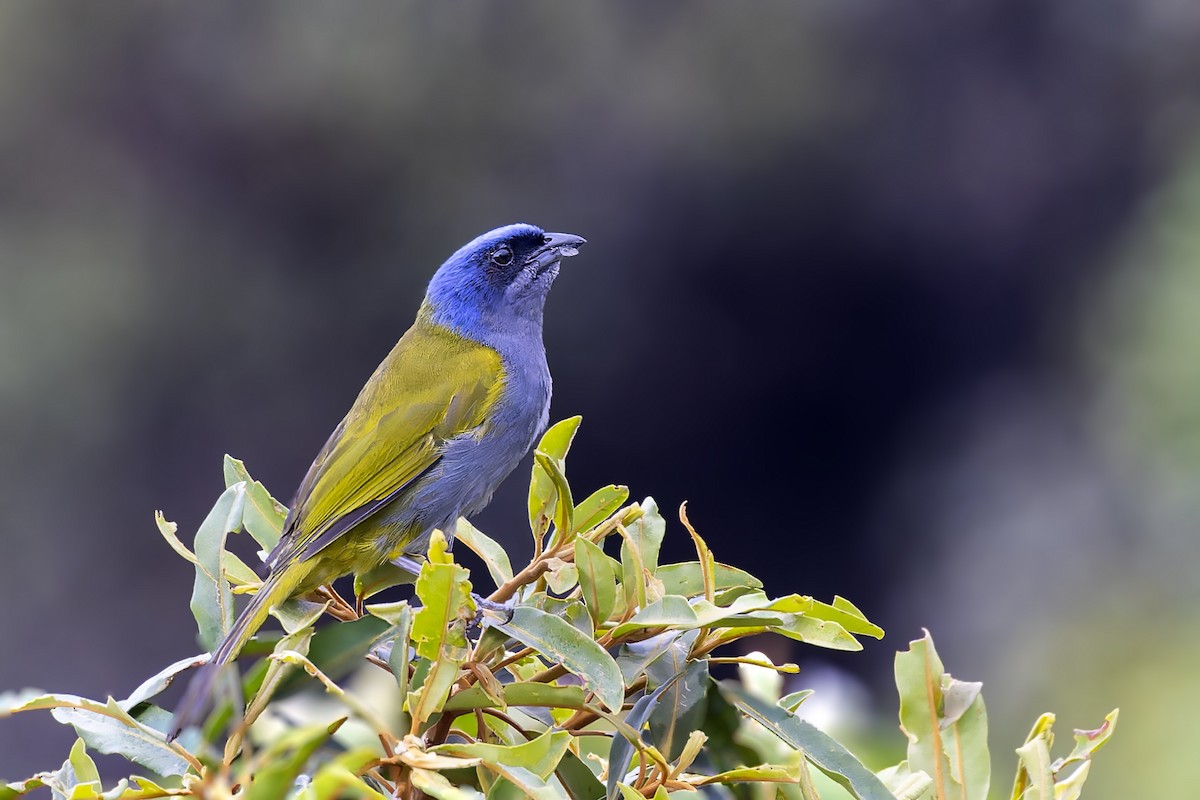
(275, 589)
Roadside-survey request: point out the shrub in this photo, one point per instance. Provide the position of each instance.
(596, 682)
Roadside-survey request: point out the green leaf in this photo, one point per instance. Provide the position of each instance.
(299, 642)
(1039, 778)
(109, 729)
(212, 602)
(635, 658)
(633, 577)
(628, 792)
(792, 700)
(945, 721)
(263, 516)
(1088, 742)
(434, 784)
(571, 609)
(564, 505)
(906, 784)
(157, 683)
(601, 505)
(169, 531)
(297, 613)
(8, 791)
(761, 680)
(540, 756)
(842, 604)
(670, 611)
(339, 778)
(439, 629)
(384, 576)
(620, 753)
(237, 572)
(446, 605)
(364, 710)
(578, 779)
(81, 762)
(12, 702)
(728, 746)
(556, 441)
(766, 773)
(817, 632)
(562, 577)
(841, 611)
(750, 610)
(597, 580)
(77, 778)
(400, 615)
(559, 642)
(679, 613)
(523, 693)
(681, 709)
(525, 783)
(1071, 788)
(139, 739)
(493, 555)
(687, 580)
(824, 752)
(284, 760)
(337, 650)
(1036, 769)
(543, 495)
(646, 534)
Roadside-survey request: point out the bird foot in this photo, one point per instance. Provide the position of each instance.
(407, 564)
(505, 610)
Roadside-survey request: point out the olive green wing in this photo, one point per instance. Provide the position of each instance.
(432, 387)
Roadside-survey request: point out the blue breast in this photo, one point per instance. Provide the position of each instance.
(462, 482)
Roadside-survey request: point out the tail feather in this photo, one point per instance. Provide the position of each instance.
(196, 699)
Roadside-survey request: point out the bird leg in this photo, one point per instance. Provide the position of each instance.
(407, 564)
(338, 607)
(483, 604)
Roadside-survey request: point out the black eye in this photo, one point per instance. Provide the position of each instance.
(502, 256)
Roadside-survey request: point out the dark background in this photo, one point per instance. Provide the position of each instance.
(901, 297)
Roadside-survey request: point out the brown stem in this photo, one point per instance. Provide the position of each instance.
(582, 718)
(374, 773)
(540, 565)
(442, 729)
(528, 575)
(514, 658)
(480, 726)
(338, 608)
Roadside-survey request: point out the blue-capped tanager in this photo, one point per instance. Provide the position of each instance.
(452, 409)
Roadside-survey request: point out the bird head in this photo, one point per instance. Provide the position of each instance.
(496, 284)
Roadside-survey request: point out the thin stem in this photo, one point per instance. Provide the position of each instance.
(541, 564)
(514, 658)
(374, 773)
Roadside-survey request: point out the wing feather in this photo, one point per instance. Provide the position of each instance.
(432, 387)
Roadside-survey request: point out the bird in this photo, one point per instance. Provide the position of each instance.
(443, 420)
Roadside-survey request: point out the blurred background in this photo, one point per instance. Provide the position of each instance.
(904, 299)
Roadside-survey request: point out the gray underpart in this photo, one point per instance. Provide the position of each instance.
(407, 564)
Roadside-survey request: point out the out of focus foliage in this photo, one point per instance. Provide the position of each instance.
(595, 682)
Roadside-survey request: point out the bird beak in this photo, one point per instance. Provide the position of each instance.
(557, 247)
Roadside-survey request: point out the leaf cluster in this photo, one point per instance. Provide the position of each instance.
(588, 673)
